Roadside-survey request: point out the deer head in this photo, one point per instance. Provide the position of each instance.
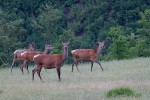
(101, 44)
(65, 48)
(47, 48)
(31, 46)
(100, 47)
(65, 44)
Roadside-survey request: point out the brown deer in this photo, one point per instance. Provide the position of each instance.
(87, 55)
(51, 61)
(29, 55)
(17, 54)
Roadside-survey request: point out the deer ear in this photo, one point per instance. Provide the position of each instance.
(46, 44)
(98, 42)
(65, 43)
(32, 43)
(68, 42)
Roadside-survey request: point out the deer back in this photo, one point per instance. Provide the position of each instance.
(84, 54)
(17, 53)
(28, 55)
(49, 61)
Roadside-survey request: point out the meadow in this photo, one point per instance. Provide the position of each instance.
(83, 85)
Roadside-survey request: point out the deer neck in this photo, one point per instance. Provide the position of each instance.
(65, 54)
(45, 51)
(98, 51)
(29, 49)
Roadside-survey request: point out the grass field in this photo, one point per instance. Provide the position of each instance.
(86, 85)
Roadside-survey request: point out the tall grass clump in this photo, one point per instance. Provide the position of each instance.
(122, 91)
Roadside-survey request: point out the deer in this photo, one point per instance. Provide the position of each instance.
(51, 61)
(29, 55)
(87, 55)
(17, 54)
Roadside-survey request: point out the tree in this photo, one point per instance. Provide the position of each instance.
(9, 31)
(143, 44)
(120, 46)
(49, 23)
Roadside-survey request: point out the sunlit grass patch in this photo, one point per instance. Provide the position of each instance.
(122, 91)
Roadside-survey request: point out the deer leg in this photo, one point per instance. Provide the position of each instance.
(59, 72)
(38, 72)
(26, 66)
(13, 64)
(91, 65)
(33, 71)
(21, 67)
(73, 65)
(99, 65)
(77, 66)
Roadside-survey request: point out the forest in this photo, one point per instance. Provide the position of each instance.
(125, 24)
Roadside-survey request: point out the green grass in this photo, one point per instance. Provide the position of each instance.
(122, 91)
(86, 85)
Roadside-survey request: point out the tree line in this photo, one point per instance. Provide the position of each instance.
(125, 23)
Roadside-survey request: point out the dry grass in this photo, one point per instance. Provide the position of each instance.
(85, 85)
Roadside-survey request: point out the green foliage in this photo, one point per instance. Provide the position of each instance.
(3, 58)
(66, 36)
(143, 43)
(122, 91)
(47, 22)
(119, 48)
(141, 48)
(9, 30)
(82, 22)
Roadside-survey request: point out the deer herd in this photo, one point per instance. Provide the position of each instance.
(50, 61)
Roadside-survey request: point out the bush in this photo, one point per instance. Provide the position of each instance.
(122, 91)
(3, 58)
(4, 65)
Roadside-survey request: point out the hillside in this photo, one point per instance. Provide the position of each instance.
(124, 23)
